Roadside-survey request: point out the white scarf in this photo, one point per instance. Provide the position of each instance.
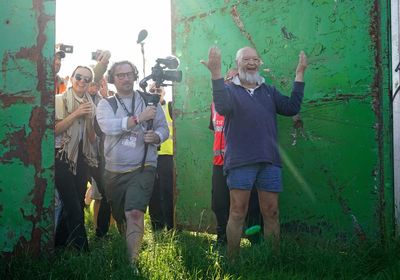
(70, 140)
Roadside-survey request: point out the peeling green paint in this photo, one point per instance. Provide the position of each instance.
(337, 166)
(337, 155)
(26, 126)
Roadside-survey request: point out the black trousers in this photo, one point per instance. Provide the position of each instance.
(161, 206)
(104, 215)
(72, 189)
(220, 200)
(220, 203)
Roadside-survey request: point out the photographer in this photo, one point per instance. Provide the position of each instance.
(124, 118)
(59, 83)
(161, 207)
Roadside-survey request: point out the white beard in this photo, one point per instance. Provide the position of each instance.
(249, 78)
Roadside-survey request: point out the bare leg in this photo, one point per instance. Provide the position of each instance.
(269, 206)
(96, 207)
(112, 221)
(239, 200)
(134, 232)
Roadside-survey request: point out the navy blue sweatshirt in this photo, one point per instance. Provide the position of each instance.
(250, 121)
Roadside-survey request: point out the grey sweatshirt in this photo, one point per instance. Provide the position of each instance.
(124, 148)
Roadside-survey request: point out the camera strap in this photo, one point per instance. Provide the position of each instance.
(130, 114)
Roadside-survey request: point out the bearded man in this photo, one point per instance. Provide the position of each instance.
(128, 182)
(252, 158)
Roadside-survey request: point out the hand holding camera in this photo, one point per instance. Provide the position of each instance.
(101, 56)
(66, 48)
(148, 114)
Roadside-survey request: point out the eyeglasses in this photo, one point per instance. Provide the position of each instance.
(156, 90)
(121, 76)
(80, 77)
(247, 60)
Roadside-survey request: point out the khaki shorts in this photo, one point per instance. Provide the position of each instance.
(129, 191)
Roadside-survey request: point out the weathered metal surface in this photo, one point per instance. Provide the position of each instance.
(395, 36)
(337, 152)
(26, 126)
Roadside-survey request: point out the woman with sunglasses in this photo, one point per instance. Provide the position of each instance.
(74, 154)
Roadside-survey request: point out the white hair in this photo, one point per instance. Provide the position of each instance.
(239, 53)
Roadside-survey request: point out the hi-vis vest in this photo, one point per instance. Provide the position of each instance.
(219, 142)
(60, 85)
(167, 147)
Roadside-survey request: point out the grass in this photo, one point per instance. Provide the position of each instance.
(187, 255)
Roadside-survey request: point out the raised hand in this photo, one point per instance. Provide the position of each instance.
(301, 67)
(104, 57)
(214, 63)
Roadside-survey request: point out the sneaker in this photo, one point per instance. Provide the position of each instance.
(252, 230)
(253, 234)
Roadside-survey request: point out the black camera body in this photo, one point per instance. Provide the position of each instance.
(150, 99)
(96, 54)
(159, 74)
(67, 48)
(164, 70)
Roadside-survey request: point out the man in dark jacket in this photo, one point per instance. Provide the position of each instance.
(250, 108)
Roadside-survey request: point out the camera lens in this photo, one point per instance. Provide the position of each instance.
(172, 75)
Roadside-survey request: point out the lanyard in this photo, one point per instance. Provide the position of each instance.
(123, 104)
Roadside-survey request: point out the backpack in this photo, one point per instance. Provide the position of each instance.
(112, 100)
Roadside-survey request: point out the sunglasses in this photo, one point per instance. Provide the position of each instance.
(79, 77)
(156, 90)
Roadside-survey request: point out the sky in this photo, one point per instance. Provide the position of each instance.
(91, 25)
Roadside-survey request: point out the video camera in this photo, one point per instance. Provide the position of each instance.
(159, 72)
(150, 99)
(66, 48)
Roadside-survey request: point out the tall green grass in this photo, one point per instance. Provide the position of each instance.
(187, 255)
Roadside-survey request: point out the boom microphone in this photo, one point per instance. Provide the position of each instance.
(142, 35)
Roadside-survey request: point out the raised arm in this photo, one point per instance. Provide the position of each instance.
(101, 66)
(290, 106)
(220, 94)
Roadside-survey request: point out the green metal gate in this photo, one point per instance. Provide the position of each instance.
(337, 153)
(26, 126)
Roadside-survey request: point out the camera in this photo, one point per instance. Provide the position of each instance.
(67, 48)
(160, 72)
(96, 54)
(151, 99)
